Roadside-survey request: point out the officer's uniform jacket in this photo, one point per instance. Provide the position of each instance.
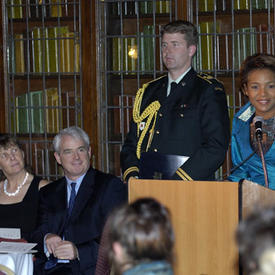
(192, 121)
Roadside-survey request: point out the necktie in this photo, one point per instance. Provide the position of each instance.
(72, 199)
(52, 261)
(173, 86)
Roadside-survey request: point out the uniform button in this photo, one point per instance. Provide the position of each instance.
(155, 150)
(181, 115)
(160, 114)
(157, 132)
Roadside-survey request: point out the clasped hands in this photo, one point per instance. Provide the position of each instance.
(61, 249)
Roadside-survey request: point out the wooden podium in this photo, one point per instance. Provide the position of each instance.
(205, 215)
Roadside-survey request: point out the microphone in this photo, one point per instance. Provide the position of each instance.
(258, 121)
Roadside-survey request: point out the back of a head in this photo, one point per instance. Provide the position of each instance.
(256, 236)
(144, 230)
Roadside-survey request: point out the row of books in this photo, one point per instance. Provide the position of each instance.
(206, 58)
(39, 111)
(254, 4)
(208, 5)
(125, 52)
(39, 8)
(52, 49)
(142, 7)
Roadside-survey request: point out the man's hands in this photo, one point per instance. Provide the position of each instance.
(61, 249)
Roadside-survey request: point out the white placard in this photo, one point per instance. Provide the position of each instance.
(10, 233)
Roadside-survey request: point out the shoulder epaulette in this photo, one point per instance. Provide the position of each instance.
(209, 78)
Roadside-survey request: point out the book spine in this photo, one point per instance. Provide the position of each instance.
(56, 8)
(37, 118)
(61, 52)
(53, 51)
(36, 50)
(22, 114)
(19, 54)
(125, 55)
(207, 45)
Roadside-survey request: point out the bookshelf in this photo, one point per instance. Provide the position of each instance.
(98, 92)
(43, 75)
(129, 42)
(229, 30)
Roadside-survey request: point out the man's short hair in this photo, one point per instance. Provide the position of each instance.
(74, 132)
(144, 231)
(185, 27)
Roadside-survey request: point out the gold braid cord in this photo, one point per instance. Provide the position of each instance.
(150, 113)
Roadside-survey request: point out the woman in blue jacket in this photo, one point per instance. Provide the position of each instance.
(258, 83)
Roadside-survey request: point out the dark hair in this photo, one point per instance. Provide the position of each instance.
(255, 235)
(143, 229)
(180, 26)
(7, 141)
(257, 61)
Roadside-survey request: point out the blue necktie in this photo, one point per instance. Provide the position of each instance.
(72, 199)
(52, 262)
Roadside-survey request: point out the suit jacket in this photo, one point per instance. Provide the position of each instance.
(192, 121)
(98, 194)
(252, 169)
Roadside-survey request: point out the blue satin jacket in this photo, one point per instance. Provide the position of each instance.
(240, 149)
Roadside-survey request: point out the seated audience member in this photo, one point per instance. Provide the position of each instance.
(141, 239)
(73, 209)
(256, 239)
(19, 188)
(258, 83)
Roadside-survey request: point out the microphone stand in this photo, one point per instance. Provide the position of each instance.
(263, 162)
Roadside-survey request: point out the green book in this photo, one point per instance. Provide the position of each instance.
(15, 10)
(116, 54)
(56, 8)
(245, 42)
(206, 5)
(62, 33)
(37, 117)
(149, 49)
(167, 6)
(241, 4)
(206, 46)
(51, 37)
(22, 114)
(19, 53)
(53, 113)
(141, 53)
(125, 55)
(142, 7)
(37, 50)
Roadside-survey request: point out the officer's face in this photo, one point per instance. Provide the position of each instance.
(176, 55)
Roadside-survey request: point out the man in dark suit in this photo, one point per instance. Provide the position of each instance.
(187, 119)
(73, 209)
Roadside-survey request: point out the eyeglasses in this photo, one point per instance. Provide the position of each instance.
(11, 152)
